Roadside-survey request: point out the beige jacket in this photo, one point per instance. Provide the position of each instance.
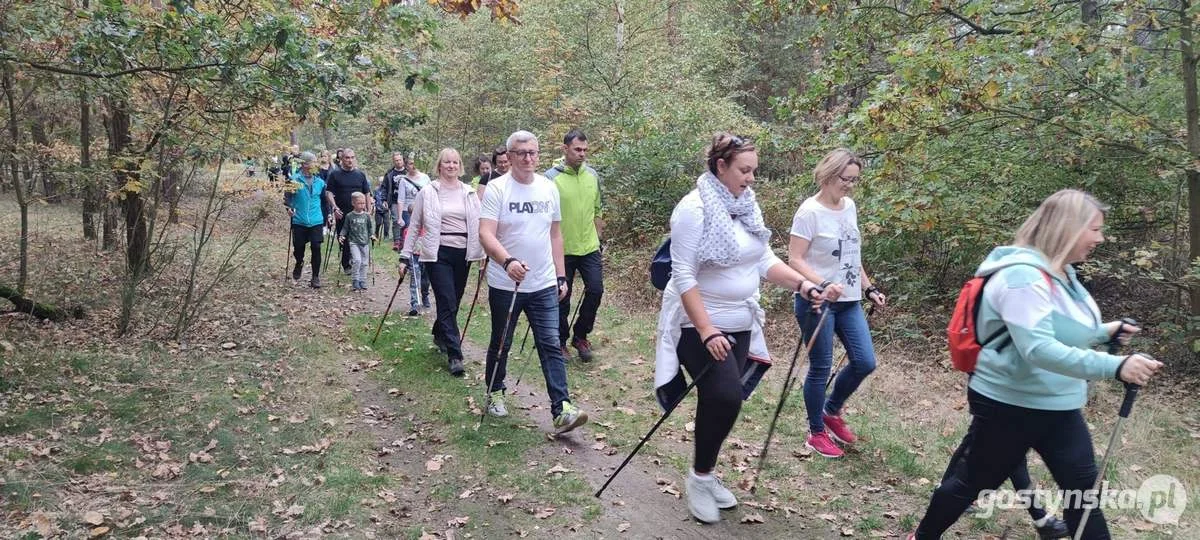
(425, 224)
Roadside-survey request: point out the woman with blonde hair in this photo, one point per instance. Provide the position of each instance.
(445, 222)
(1030, 384)
(826, 247)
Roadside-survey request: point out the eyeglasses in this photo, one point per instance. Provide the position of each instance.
(850, 179)
(736, 141)
(525, 153)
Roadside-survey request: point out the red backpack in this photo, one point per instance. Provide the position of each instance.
(964, 342)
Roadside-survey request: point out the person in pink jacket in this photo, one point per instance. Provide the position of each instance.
(444, 226)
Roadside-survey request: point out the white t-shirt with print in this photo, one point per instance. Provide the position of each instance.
(835, 249)
(523, 215)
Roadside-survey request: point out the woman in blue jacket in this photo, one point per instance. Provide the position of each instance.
(1028, 389)
(306, 204)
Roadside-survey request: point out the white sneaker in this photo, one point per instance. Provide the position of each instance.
(496, 404)
(722, 496)
(701, 500)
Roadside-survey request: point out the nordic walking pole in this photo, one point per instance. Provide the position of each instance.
(389, 306)
(787, 387)
(1131, 391)
(370, 262)
(503, 356)
(474, 300)
(845, 354)
(660, 421)
(287, 259)
(328, 248)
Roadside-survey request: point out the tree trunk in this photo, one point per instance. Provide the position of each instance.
(91, 191)
(673, 38)
(1191, 102)
(125, 170)
(172, 185)
(1089, 12)
(41, 141)
(22, 204)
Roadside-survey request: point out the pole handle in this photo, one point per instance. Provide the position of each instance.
(1131, 390)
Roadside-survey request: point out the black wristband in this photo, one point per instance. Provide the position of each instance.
(507, 262)
(712, 337)
(1119, 366)
(872, 289)
(824, 284)
(562, 280)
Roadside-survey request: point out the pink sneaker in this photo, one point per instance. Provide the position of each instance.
(839, 430)
(822, 444)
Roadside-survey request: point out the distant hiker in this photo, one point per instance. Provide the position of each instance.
(309, 210)
(710, 320)
(383, 220)
(344, 180)
(579, 190)
(519, 230)
(826, 246)
(356, 233)
(445, 221)
(483, 169)
(500, 166)
(408, 186)
(391, 186)
(1029, 386)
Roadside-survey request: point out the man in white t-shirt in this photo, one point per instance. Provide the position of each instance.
(519, 230)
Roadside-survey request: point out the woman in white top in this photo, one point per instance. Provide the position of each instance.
(827, 248)
(710, 315)
(445, 221)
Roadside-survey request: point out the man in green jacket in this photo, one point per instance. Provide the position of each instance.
(579, 193)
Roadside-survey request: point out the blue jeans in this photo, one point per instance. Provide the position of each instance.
(847, 320)
(541, 310)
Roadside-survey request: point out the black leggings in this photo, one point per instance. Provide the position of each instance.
(719, 392)
(1019, 478)
(1002, 434)
(302, 236)
(448, 276)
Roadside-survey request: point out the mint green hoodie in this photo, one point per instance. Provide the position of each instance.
(1053, 329)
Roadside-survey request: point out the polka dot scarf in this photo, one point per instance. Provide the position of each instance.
(718, 245)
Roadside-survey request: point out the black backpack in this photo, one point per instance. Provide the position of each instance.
(660, 266)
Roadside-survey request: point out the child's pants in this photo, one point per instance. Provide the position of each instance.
(360, 255)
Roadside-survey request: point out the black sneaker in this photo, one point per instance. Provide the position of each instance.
(296, 271)
(456, 367)
(1054, 528)
(413, 312)
(315, 283)
(346, 270)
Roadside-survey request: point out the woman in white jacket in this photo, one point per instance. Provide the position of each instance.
(444, 225)
(710, 320)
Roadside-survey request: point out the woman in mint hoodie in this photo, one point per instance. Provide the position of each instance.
(1029, 387)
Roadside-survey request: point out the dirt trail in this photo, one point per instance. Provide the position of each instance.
(634, 506)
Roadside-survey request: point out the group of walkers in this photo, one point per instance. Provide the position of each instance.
(535, 231)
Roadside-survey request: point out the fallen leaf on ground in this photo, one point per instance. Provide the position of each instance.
(98, 532)
(93, 518)
(623, 527)
(505, 497)
(458, 522)
(544, 513)
(558, 468)
(847, 531)
(753, 518)
(466, 494)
